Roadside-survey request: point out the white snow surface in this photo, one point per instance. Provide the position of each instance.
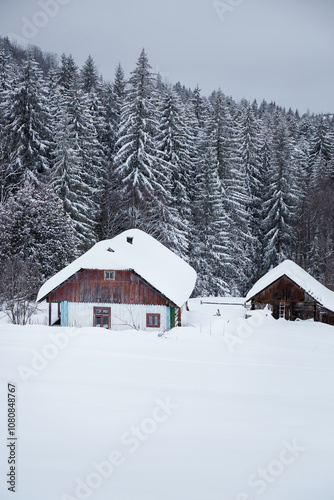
(208, 412)
(159, 266)
(290, 269)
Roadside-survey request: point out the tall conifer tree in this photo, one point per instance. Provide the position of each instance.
(26, 133)
(142, 183)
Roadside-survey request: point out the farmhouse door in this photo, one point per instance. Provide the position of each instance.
(102, 317)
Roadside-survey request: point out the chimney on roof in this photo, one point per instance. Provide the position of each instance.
(129, 239)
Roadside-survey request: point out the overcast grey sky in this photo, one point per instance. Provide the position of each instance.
(278, 50)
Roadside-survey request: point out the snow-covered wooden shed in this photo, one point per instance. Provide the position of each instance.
(293, 293)
(131, 280)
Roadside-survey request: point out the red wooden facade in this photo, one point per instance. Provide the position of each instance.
(90, 285)
(290, 301)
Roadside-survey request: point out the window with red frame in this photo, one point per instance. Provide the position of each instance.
(102, 317)
(152, 320)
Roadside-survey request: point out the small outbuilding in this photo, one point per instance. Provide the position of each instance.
(292, 294)
(131, 280)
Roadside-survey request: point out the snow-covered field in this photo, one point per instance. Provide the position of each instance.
(225, 409)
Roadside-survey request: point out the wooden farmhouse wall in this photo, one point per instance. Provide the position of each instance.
(324, 315)
(90, 285)
(284, 293)
(290, 301)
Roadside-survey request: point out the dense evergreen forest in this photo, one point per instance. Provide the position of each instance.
(232, 187)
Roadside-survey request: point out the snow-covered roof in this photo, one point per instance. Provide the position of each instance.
(146, 256)
(316, 290)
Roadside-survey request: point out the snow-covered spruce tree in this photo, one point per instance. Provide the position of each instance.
(266, 159)
(250, 141)
(115, 104)
(7, 70)
(281, 204)
(321, 249)
(301, 162)
(108, 225)
(7, 74)
(109, 119)
(222, 133)
(321, 156)
(119, 83)
(218, 126)
(292, 123)
(223, 130)
(35, 228)
(198, 107)
(104, 107)
(210, 236)
(138, 178)
(68, 75)
(76, 173)
(112, 96)
(89, 77)
(26, 132)
(195, 113)
(320, 198)
(78, 159)
(184, 93)
(174, 158)
(236, 204)
(94, 91)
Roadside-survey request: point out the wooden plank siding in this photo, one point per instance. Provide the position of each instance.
(282, 289)
(297, 303)
(89, 285)
(324, 315)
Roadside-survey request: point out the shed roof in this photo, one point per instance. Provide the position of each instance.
(133, 250)
(316, 290)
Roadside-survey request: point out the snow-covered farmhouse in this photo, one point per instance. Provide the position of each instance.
(131, 280)
(292, 293)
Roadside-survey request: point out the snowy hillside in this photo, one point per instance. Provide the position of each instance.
(225, 409)
(227, 184)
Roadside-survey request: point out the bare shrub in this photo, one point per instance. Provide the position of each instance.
(18, 286)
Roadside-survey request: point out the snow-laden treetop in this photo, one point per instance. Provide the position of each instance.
(137, 251)
(316, 290)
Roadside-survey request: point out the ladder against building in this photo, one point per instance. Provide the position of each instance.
(281, 311)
